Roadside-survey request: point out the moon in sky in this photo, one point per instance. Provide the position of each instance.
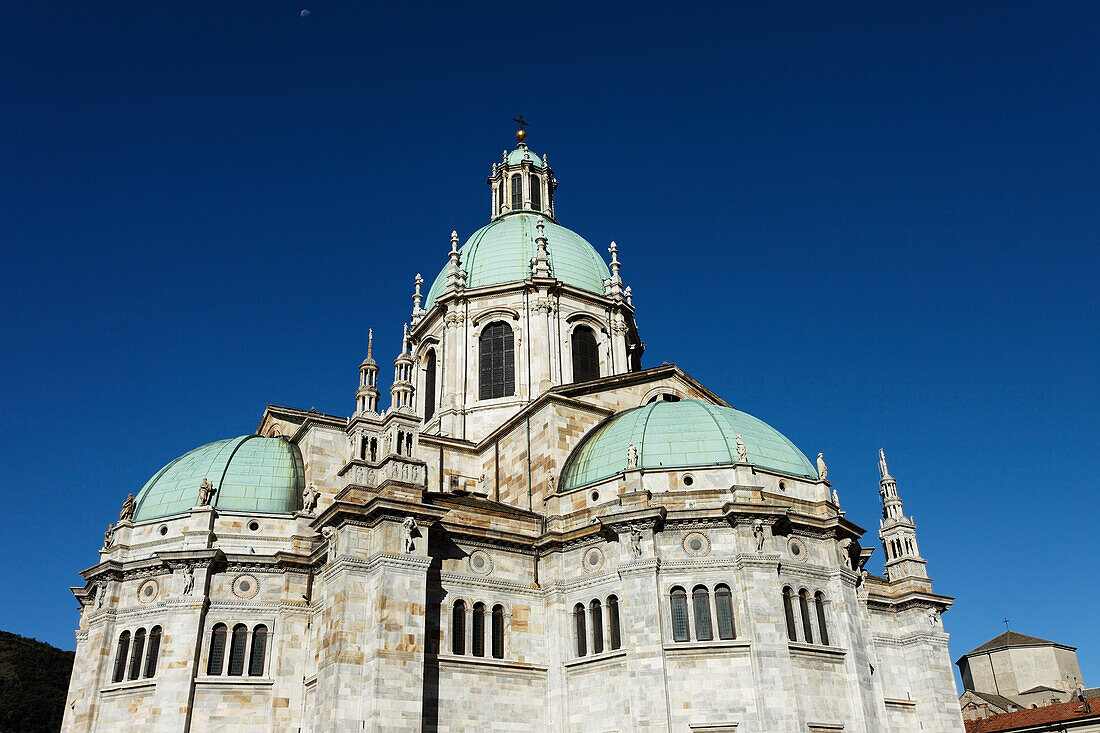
(304, 13)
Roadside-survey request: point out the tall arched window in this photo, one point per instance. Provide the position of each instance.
(517, 192)
(723, 604)
(700, 597)
(678, 598)
(479, 630)
(536, 192)
(804, 606)
(500, 197)
(597, 626)
(429, 386)
(123, 654)
(497, 362)
(580, 630)
(822, 627)
(458, 628)
(259, 651)
(498, 632)
(136, 654)
(154, 651)
(236, 649)
(788, 612)
(373, 449)
(586, 354)
(613, 622)
(217, 650)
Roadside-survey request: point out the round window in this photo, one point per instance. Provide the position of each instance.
(696, 544)
(593, 560)
(254, 526)
(796, 548)
(595, 496)
(688, 480)
(480, 562)
(163, 530)
(147, 593)
(245, 586)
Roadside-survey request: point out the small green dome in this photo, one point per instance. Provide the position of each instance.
(501, 252)
(679, 434)
(521, 154)
(250, 473)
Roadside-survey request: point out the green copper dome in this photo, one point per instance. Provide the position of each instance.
(679, 434)
(521, 153)
(501, 252)
(250, 473)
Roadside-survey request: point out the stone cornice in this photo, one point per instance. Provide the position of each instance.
(376, 510)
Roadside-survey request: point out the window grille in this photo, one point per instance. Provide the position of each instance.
(536, 192)
(586, 355)
(458, 628)
(154, 651)
(723, 602)
(259, 651)
(613, 622)
(701, 600)
(517, 192)
(497, 362)
(236, 650)
(123, 653)
(678, 598)
(136, 654)
(498, 632)
(217, 650)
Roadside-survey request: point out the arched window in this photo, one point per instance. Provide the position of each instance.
(217, 650)
(259, 650)
(517, 192)
(236, 650)
(136, 654)
(597, 626)
(497, 362)
(154, 651)
(804, 606)
(500, 197)
(678, 598)
(498, 632)
(580, 630)
(373, 449)
(586, 355)
(788, 612)
(700, 597)
(123, 653)
(822, 627)
(408, 444)
(363, 448)
(400, 441)
(536, 192)
(479, 630)
(429, 386)
(723, 604)
(458, 628)
(613, 622)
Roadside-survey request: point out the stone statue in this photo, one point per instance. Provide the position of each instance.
(631, 456)
(862, 577)
(933, 618)
(188, 580)
(100, 595)
(758, 534)
(409, 525)
(822, 469)
(636, 542)
(333, 540)
(836, 498)
(883, 470)
(108, 536)
(845, 550)
(206, 492)
(742, 451)
(128, 507)
(482, 485)
(550, 484)
(310, 495)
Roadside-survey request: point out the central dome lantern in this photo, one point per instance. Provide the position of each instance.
(522, 182)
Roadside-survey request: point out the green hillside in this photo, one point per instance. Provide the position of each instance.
(34, 678)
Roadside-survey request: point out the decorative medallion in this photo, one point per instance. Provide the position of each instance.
(593, 560)
(696, 544)
(480, 562)
(148, 591)
(796, 549)
(245, 586)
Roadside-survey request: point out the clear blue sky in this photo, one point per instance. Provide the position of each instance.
(867, 225)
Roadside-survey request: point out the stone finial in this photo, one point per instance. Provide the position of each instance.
(370, 342)
(822, 469)
(616, 283)
(128, 507)
(627, 296)
(545, 162)
(540, 266)
(883, 469)
(456, 278)
(417, 297)
(404, 338)
(503, 158)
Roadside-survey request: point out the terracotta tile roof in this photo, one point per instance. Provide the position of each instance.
(1022, 719)
(1009, 638)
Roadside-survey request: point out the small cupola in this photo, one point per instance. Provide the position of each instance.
(522, 182)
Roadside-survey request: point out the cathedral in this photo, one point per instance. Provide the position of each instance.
(537, 534)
